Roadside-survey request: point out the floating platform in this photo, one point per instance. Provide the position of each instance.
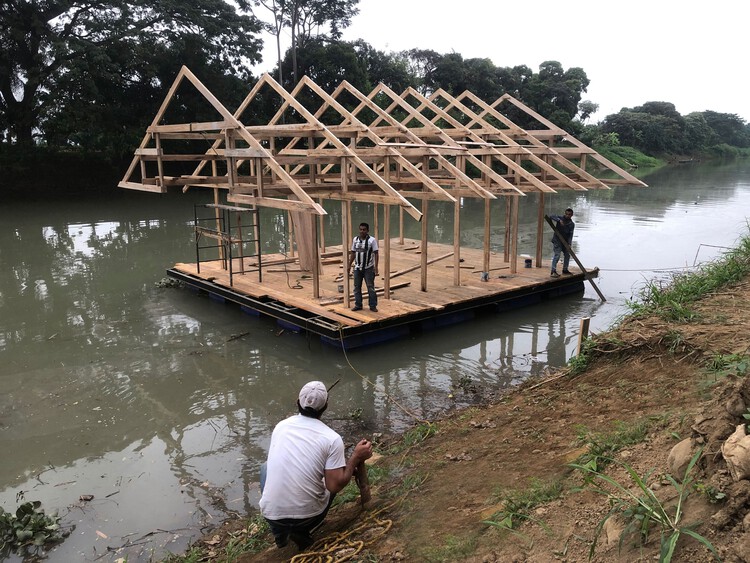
(286, 293)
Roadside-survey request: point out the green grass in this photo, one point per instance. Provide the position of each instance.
(518, 503)
(603, 445)
(454, 549)
(673, 301)
(415, 436)
(722, 365)
(628, 157)
(253, 538)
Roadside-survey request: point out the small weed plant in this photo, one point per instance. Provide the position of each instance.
(454, 549)
(253, 538)
(518, 504)
(641, 510)
(580, 362)
(712, 494)
(675, 341)
(415, 436)
(728, 364)
(603, 445)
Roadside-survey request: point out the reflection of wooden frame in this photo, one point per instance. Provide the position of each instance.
(382, 148)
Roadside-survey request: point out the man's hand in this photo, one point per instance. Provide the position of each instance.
(363, 450)
(337, 479)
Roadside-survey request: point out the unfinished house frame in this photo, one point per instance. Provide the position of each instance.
(393, 151)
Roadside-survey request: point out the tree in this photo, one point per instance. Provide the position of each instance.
(652, 132)
(51, 45)
(555, 93)
(421, 64)
(729, 128)
(326, 62)
(586, 109)
(304, 19)
(392, 69)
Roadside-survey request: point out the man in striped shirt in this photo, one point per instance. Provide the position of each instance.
(364, 256)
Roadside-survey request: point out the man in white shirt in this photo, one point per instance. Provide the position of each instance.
(306, 467)
(364, 255)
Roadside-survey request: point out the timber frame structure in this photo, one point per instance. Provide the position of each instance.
(382, 148)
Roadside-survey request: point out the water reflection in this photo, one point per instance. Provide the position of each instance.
(160, 402)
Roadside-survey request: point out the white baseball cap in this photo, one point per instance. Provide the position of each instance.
(313, 395)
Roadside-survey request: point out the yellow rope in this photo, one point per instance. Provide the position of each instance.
(342, 546)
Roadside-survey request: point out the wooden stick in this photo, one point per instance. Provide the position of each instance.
(407, 270)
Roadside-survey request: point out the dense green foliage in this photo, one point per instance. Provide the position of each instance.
(658, 128)
(80, 73)
(674, 301)
(88, 76)
(28, 526)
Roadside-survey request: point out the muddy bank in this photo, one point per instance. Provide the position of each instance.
(446, 498)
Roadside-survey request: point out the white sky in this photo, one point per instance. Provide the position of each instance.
(688, 52)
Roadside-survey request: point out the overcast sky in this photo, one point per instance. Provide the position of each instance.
(693, 54)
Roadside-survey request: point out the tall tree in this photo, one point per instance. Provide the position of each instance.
(555, 93)
(307, 19)
(52, 44)
(730, 128)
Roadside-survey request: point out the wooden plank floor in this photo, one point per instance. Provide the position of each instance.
(287, 284)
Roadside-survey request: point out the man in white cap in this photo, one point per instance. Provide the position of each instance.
(306, 467)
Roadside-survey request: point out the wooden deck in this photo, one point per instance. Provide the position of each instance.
(287, 294)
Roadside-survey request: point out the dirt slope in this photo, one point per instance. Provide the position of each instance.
(656, 376)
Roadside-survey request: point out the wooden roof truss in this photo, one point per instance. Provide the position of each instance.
(381, 148)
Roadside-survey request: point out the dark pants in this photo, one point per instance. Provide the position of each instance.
(557, 249)
(296, 529)
(368, 276)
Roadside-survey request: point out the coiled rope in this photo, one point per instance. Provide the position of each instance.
(343, 546)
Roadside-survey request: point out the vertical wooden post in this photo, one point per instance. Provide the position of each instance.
(514, 238)
(457, 242)
(540, 230)
(316, 258)
(290, 232)
(345, 220)
(217, 211)
(487, 247)
(506, 236)
(386, 262)
(159, 163)
(256, 232)
(387, 252)
(322, 226)
(423, 263)
(229, 142)
(401, 226)
(583, 333)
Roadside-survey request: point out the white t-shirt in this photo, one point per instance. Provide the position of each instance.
(302, 448)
